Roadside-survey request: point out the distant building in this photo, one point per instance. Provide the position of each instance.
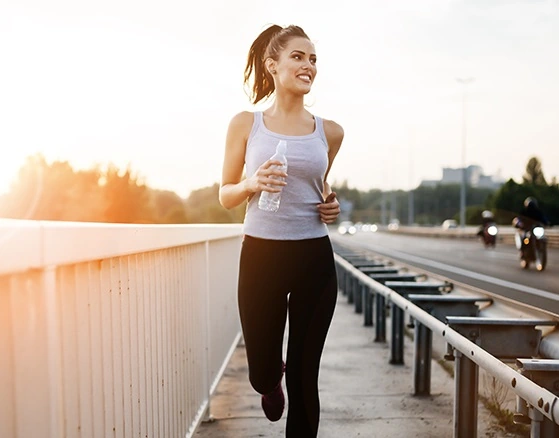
(474, 177)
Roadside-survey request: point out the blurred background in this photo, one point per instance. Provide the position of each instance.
(116, 111)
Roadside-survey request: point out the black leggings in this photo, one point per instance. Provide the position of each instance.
(277, 277)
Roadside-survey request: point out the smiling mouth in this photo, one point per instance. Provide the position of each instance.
(305, 78)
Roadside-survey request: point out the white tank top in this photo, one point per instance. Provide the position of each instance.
(307, 162)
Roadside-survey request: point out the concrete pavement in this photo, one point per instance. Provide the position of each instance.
(362, 395)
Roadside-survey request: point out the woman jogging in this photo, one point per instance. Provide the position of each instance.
(287, 270)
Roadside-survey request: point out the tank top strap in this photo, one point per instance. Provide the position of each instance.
(320, 129)
(256, 124)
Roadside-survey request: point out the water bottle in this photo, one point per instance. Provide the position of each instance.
(269, 201)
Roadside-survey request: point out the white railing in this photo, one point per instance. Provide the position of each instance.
(113, 330)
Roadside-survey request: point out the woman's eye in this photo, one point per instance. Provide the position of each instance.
(300, 57)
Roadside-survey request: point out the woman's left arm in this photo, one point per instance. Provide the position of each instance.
(330, 208)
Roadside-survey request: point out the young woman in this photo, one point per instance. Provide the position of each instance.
(287, 265)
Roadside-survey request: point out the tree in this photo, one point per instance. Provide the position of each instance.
(203, 206)
(169, 207)
(534, 173)
(508, 200)
(54, 191)
(126, 198)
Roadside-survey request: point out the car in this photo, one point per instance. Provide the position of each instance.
(347, 227)
(448, 224)
(394, 224)
(369, 227)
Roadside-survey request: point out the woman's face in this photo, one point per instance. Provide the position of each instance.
(296, 66)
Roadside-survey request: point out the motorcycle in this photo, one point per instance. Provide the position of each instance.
(489, 234)
(532, 244)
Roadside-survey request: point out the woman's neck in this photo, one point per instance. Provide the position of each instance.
(287, 106)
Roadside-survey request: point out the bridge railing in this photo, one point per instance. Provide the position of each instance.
(505, 236)
(488, 338)
(113, 330)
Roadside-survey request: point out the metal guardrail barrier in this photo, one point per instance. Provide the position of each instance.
(473, 342)
(505, 236)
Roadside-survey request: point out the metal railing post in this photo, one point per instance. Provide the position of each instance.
(536, 418)
(350, 288)
(358, 296)
(341, 274)
(368, 297)
(422, 359)
(544, 372)
(465, 396)
(397, 338)
(380, 317)
(347, 279)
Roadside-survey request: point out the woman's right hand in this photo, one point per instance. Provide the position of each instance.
(270, 172)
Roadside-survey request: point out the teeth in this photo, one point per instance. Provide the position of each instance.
(307, 77)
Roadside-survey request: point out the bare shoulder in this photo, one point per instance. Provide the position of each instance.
(243, 117)
(334, 134)
(241, 123)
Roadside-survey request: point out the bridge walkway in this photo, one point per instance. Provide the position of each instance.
(362, 395)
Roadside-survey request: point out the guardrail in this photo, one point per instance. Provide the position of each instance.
(479, 340)
(505, 236)
(114, 330)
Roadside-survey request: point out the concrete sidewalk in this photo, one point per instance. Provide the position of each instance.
(362, 395)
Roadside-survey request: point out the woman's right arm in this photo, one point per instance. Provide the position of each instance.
(233, 189)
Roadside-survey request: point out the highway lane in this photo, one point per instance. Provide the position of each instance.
(466, 261)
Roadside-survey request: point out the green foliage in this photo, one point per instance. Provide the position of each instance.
(508, 200)
(53, 192)
(534, 173)
(126, 199)
(473, 214)
(432, 204)
(204, 207)
(56, 191)
(548, 197)
(352, 195)
(169, 207)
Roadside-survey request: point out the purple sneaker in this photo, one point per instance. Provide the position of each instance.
(273, 403)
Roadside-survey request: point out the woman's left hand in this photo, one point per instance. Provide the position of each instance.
(329, 209)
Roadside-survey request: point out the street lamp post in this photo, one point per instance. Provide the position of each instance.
(465, 82)
(411, 202)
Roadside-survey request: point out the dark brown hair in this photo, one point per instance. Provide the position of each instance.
(268, 44)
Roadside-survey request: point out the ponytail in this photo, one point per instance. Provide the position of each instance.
(267, 45)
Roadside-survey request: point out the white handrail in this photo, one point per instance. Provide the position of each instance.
(114, 329)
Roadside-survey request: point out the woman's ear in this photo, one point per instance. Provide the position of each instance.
(271, 66)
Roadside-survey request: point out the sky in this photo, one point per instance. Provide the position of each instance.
(153, 85)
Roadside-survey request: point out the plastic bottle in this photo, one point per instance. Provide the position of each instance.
(269, 201)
